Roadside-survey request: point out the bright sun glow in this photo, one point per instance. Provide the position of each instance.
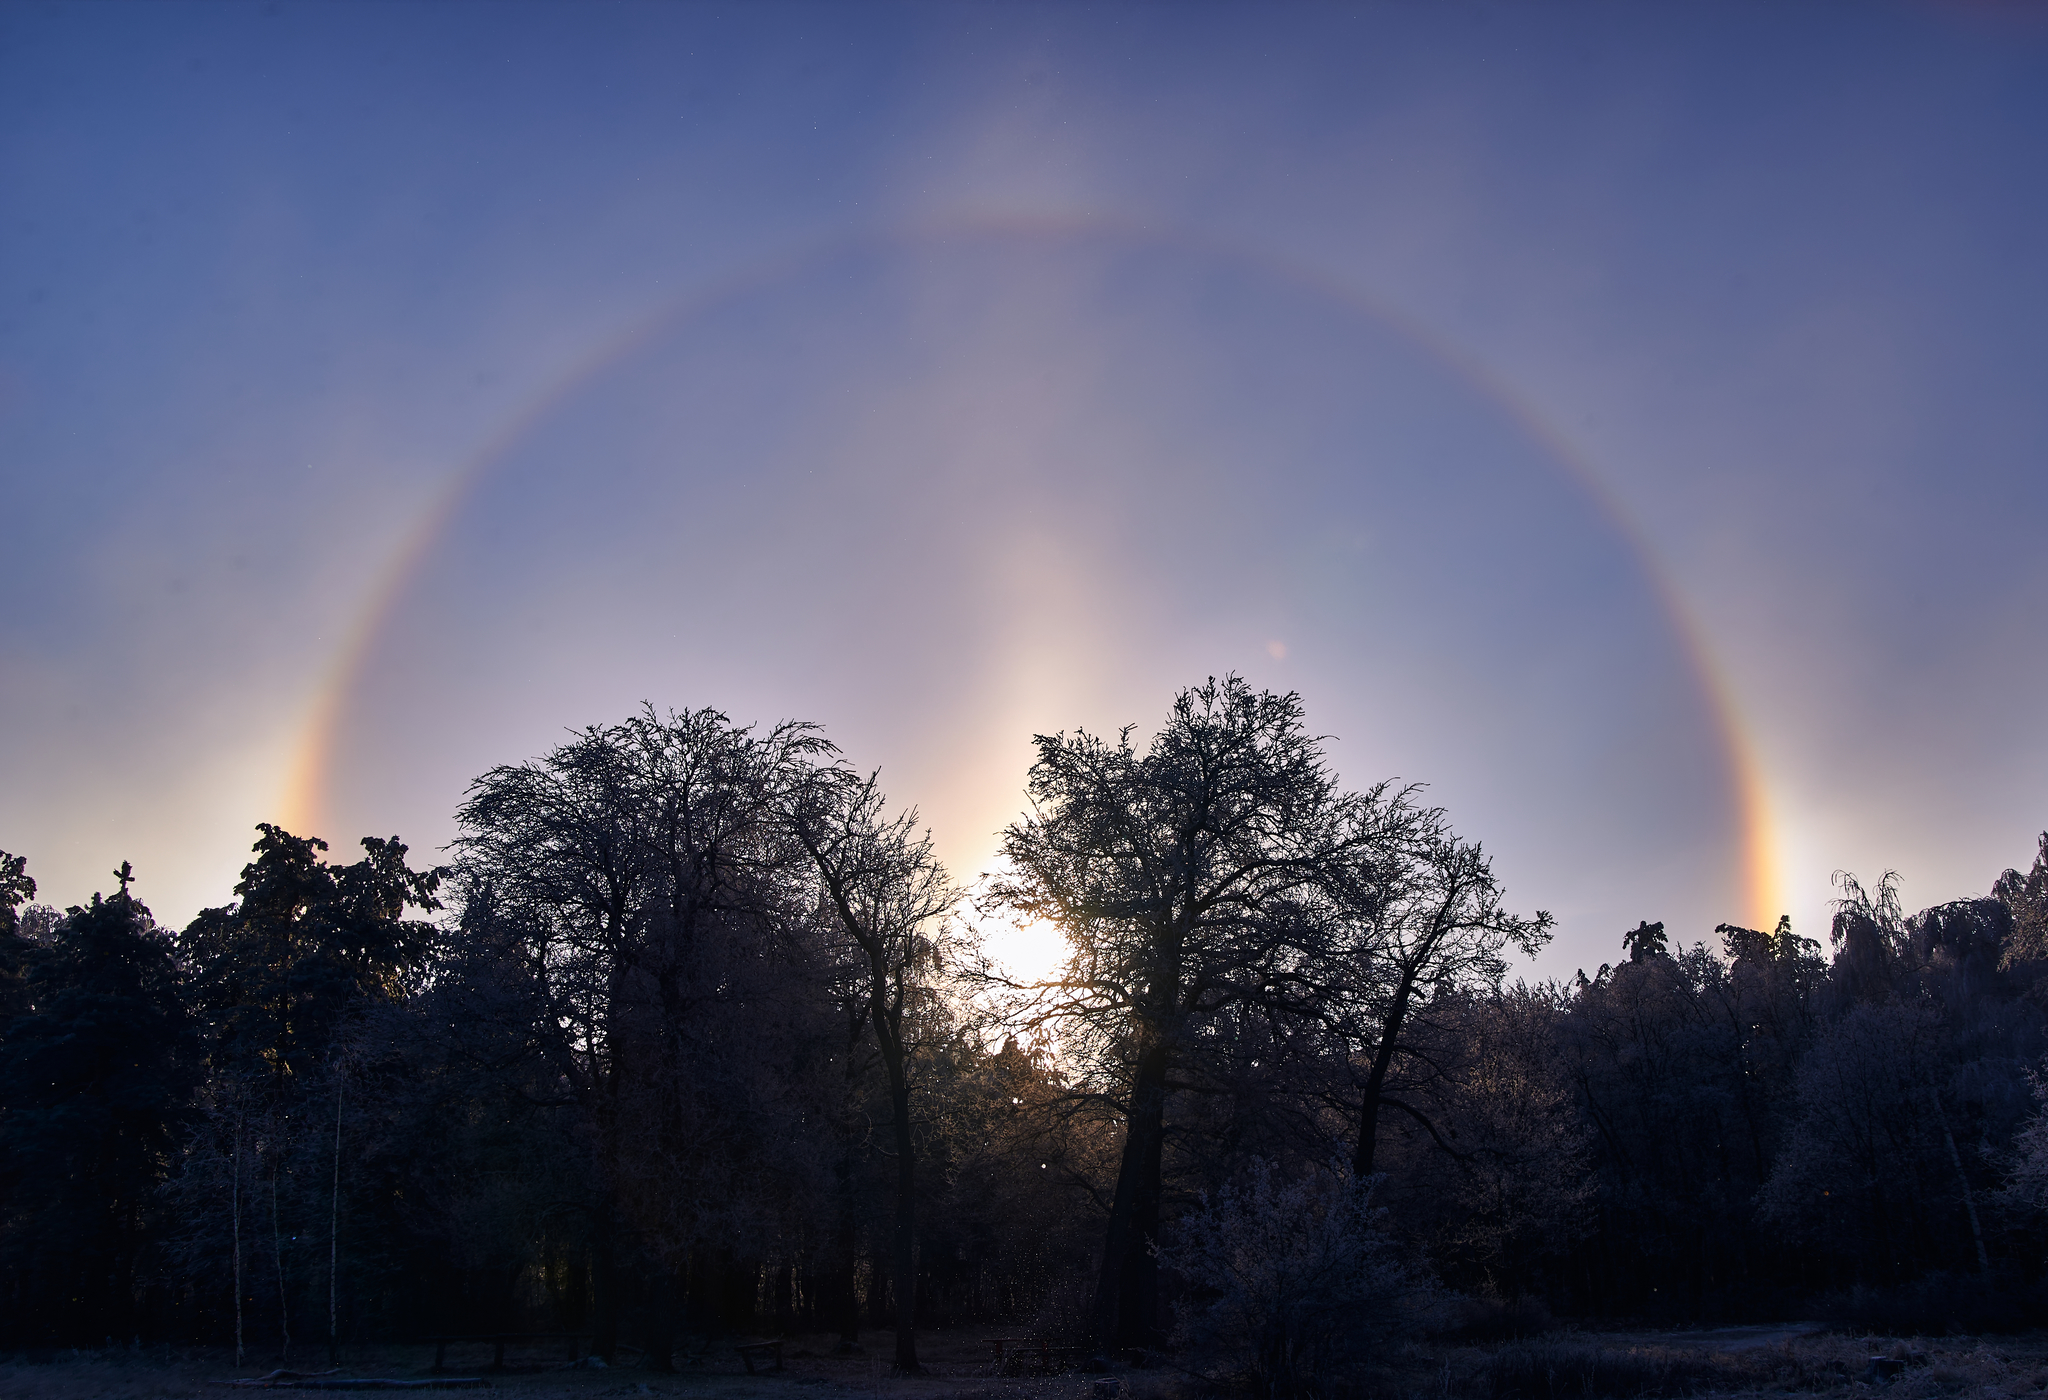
(1032, 952)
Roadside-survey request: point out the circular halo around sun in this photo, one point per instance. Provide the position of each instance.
(942, 493)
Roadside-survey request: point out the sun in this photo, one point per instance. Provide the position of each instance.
(1029, 952)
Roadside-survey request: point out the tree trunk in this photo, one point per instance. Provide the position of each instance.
(782, 1297)
(284, 1318)
(235, 1204)
(1969, 1202)
(661, 1322)
(844, 1288)
(1127, 1292)
(604, 1291)
(334, 1235)
(903, 1252)
(1375, 1083)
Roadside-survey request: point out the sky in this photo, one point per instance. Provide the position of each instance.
(1625, 420)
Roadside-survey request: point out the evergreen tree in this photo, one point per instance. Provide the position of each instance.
(280, 980)
(96, 1072)
(17, 887)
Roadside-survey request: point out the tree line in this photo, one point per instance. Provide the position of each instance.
(694, 1035)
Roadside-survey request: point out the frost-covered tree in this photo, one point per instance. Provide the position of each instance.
(1290, 1280)
(1193, 879)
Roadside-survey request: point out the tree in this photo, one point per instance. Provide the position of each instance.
(1425, 920)
(2027, 897)
(1646, 940)
(1007, 1160)
(1292, 1280)
(2027, 1171)
(629, 898)
(17, 887)
(277, 971)
(1192, 881)
(1863, 1175)
(1872, 947)
(1682, 1069)
(95, 1073)
(887, 897)
(279, 977)
(1494, 1183)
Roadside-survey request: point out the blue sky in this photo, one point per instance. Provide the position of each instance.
(1563, 398)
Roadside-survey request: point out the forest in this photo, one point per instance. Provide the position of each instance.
(692, 1035)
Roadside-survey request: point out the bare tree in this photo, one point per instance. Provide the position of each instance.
(1193, 881)
(1426, 919)
(635, 883)
(886, 897)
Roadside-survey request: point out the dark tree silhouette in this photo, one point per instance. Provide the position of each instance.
(2026, 896)
(635, 886)
(277, 980)
(703, 1051)
(17, 887)
(1192, 879)
(1646, 940)
(96, 1071)
(886, 899)
(276, 972)
(1425, 920)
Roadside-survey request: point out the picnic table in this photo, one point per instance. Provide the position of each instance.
(751, 1351)
(1018, 1356)
(498, 1341)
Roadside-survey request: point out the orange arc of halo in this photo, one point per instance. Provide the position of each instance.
(303, 801)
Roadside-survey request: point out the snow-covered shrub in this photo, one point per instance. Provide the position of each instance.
(2027, 1182)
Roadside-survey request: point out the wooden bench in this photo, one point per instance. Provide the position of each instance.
(498, 1341)
(750, 1351)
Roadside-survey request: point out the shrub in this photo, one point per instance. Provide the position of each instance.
(1493, 1319)
(1941, 1305)
(1290, 1281)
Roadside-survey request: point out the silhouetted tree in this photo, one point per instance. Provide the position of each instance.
(1011, 1159)
(634, 895)
(1292, 1280)
(278, 979)
(17, 887)
(1753, 945)
(2027, 897)
(886, 899)
(1646, 940)
(96, 1070)
(1424, 919)
(1191, 879)
(2027, 1173)
(1869, 935)
(275, 973)
(1863, 1176)
(1495, 1182)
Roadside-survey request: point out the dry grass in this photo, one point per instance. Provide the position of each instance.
(958, 1364)
(1581, 1366)
(107, 1375)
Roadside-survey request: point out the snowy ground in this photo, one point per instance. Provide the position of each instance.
(1784, 1359)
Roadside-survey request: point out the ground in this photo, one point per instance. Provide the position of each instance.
(1567, 1365)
